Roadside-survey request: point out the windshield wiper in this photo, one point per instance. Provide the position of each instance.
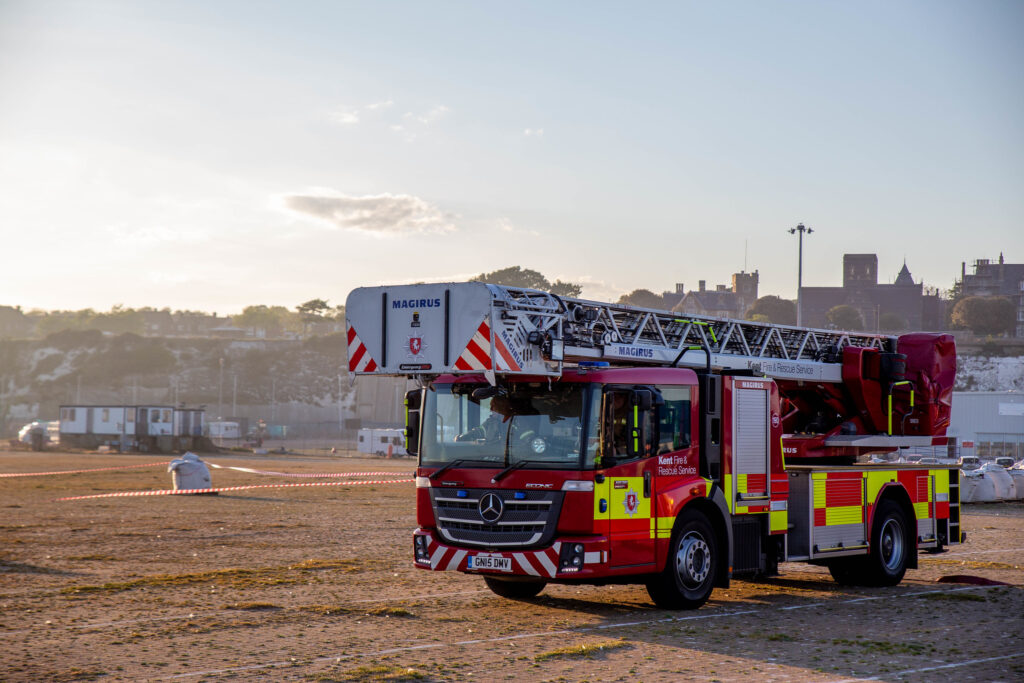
(456, 463)
(511, 468)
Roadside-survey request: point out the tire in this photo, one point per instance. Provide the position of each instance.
(515, 590)
(890, 546)
(848, 571)
(688, 578)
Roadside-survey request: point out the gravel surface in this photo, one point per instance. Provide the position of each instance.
(317, 584)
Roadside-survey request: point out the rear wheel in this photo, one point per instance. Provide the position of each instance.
(515, 590)
(847, 571)
(890, 546)
(689, 574)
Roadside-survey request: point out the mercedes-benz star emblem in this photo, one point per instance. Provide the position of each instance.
(491, 506)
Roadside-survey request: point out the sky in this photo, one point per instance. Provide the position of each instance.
(213, 155)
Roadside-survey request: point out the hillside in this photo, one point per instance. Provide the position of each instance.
(36, 376)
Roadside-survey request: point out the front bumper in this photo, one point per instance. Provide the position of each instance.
(546, 563)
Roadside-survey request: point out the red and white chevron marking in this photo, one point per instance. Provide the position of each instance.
(98, 469)
(191, 492)
(528, 562)
(309, 475)
(359, 359)
(477, 355)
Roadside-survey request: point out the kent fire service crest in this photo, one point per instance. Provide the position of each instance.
(631, 502)
(415, 346)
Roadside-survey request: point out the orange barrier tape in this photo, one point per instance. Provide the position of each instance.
(98, 469)
(309, 475)
(189, 492)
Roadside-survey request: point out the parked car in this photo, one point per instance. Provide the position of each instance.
(46, 432)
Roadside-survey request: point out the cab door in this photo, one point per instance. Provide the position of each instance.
(629, 478)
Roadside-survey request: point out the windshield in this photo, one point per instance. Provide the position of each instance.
(521, 422)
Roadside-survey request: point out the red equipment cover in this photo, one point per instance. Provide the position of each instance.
(931, 366)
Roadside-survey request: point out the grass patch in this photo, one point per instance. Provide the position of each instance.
(962, 597)
(887, 646)
(585, 651)
(375, 672)
(75, 674)
(235, 577)
(780, 638)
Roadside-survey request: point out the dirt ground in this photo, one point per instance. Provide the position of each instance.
(317, 584)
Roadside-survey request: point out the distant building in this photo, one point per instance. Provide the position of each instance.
(722, 301)
(996, 279)
(989, 424)
(918, 308)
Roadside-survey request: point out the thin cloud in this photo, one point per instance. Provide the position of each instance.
(533, 133)
(345, 117)
(352, 115)
(507, 226)
(383, 214)
(428, 117)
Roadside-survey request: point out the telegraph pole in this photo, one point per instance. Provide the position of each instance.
(800, 270)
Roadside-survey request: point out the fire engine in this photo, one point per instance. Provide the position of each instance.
(561, 440)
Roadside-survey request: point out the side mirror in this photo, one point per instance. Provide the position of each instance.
(483, 393)
(413, 403)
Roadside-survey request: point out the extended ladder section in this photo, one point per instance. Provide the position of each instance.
(470, 327)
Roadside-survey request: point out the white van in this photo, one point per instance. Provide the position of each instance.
(376, 441)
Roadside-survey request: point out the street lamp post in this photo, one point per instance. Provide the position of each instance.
(800, 270)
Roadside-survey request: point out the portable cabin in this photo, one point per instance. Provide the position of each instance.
(154, 421)
(189, 421)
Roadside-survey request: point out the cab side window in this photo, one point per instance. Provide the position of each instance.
(673, 419)
(616, 420)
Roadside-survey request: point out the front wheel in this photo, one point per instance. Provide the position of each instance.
(689, 574)
(515, 590)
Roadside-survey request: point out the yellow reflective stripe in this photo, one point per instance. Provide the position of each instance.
(921, 510)
(741, 483)
(778, 520)
(661, 527)
(941, 481)
(601, 493)
(876, 480)
(818, 483)
(846, 514)
(727, 485)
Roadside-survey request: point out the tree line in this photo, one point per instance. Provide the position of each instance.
(985, 316)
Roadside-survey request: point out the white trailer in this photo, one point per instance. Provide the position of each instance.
(224, 429)
(376, 441)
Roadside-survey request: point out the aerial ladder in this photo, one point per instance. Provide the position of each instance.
(865, 391)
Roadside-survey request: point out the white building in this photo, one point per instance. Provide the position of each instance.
(989, 424)
(89, 426)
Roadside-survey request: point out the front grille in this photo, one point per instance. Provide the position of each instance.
(526, 522)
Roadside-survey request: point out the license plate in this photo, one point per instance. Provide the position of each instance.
(493, 562)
